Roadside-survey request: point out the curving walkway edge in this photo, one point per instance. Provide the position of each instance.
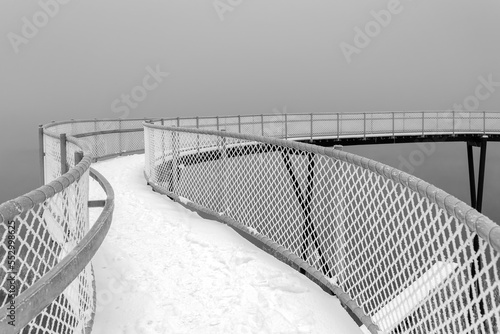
(163, 269)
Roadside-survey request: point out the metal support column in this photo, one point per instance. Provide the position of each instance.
(309, 232)
(472, 182)
(480, 181)
(477, 203)
(477, 196)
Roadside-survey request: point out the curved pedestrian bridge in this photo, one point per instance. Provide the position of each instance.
(399, 253)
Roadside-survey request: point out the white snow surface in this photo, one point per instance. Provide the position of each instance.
(164, 269)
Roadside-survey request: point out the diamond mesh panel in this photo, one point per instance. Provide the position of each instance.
(251, 124)
(47, 233)
(410, 265)
(274, 125)
(299, 126)
(325, 125)
(52, 149)
(491, 121)
(44, 236)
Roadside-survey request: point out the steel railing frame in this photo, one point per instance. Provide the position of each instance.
(44, 291)
(474, 220)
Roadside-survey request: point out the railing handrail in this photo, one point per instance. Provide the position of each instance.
(90, 120)
(466, 216)
(23, 203)
(474, 220)
(33, 300)
(44, 291)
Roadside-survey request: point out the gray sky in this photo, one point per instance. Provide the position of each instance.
(262, 55)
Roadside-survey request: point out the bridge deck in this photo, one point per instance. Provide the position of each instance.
(164, 269)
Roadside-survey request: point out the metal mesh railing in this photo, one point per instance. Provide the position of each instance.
(345, 125)
(43, 227)
(413, 258)
(46, 279)
(341, 217)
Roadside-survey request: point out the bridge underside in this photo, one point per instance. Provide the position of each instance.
(471, 138)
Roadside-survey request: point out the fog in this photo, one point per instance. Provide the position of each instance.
(240, 57)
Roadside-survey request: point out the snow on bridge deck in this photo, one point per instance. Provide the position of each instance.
(163, 269)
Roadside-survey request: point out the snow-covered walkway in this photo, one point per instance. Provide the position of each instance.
(164, 269)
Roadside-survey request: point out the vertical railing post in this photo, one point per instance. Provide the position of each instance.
(62, 142)
(96, 147)
(262, 124)
(364, 126)
(422, 123)
(338, 126)
(162, 137)
(484, 122)
(393, 129)
(162, 121)
(223, 174)
(311, 129)
(198, 135)
(286, 127)
(120, 141)
(217, 119)
(239, 124)
(41, 154)
(178, 122)
(453, 123)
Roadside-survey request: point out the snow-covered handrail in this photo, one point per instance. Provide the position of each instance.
(397, 250)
